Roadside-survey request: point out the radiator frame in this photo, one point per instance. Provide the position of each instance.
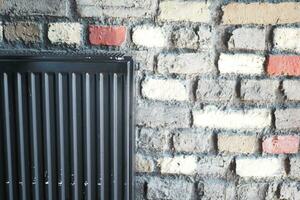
(114, 63)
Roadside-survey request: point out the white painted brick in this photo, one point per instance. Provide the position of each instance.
(178, 10)
(248, 38)
(287, 39)
(186, 63)
(68, 33)
(165, 89)
(260, 167)
(150, 36)
(241, 64)
(178, 165)
(232, 119)
(291, 89)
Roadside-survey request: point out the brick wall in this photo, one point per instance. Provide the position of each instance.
(218, 86)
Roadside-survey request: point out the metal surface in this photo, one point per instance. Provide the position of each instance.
(66, 128)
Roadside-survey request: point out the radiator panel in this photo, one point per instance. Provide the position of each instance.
(66, 134)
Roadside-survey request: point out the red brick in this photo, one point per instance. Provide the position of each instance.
(107, 35)
(284, 65)
(281, 144)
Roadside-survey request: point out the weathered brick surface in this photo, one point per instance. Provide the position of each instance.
(290, 190)
(217, 166)
(160, 115)
(287, 39)
(165, 188)
(34, 7)
(295, 167)
(283, 65)
(143, 164)
(248, 39)
(241, 64)
(165, 89)
(116, 8)
(244, 119)
(215, 89)
(216, 189)
(186, 63)
(261, 13)
(179, 10)
(65, 33)
(241, 144)
(190, 140)
(205, 35)
(178, 165)
(185, 38)
(281, 144)
(145, 59)
(22, 32)
(139, 184)
(150, 36)
(287, 118)
(291, 89)
(252, 191)
(260, 167)
(107, 35)
(259, 90)
(153, 140)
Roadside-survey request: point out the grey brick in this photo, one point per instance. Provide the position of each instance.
(165, 188)
(185, 38)
(290, 191)
(295, 167)
(186, 63)
(214, 166)
(161, 115)
(252, 191)
(145, 59)
(116, 8)
(216, 190)
(291, 89)
(287, 118)
(259, 90)
(23, 31)
(189, 140)
(153, 140)
(34, 7)
(215, 89)
(248, 38)
(205, 37)
(140, 183)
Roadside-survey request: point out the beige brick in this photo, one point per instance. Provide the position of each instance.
(260, 167)
(68, 33)
(261, 13)
(178, 165)
(23, 31)
(232, 119)
(238, 144)
(241, 64)
(165, 89)
(178, 10)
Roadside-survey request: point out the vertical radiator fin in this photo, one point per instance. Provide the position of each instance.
(66, 129)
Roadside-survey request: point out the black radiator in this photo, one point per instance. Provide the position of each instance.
(66, 128)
